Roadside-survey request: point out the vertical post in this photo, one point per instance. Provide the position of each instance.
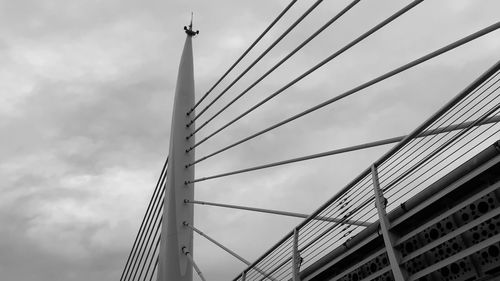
(244, 276)
(393, 254)
(173, 263)
(295, 256)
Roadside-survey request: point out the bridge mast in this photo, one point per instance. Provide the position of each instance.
(176, 239)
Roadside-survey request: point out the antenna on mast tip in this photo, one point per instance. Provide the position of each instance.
(189, 30)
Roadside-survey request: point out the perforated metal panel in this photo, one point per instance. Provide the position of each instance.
(378, 263)
(450, 237)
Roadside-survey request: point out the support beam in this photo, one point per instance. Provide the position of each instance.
(296, 259)
(276, 212)
(217, 243)
(389, 240)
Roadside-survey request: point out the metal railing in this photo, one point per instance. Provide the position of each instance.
(458, 131)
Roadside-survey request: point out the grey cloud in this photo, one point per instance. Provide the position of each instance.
(83, 148)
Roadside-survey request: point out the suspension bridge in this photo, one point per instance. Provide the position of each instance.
(427, 209)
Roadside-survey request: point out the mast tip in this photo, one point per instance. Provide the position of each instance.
(189, 29)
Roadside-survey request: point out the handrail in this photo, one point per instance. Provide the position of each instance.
(397, 148)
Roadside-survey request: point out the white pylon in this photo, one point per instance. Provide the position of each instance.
(173, 264)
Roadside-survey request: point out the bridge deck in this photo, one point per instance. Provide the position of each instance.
(449, 231)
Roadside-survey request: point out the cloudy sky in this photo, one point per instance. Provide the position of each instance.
(86, 90)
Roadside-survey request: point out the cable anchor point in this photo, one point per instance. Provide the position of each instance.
(189, 30)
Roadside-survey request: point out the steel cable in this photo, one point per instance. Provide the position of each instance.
(316, 226)
(304, 224)
(145, 218)
(461, 155)
(332, 228)
(457, 118)
(149, 250)
(433, 153)
(154, 269)
(385, 157)
(150, 231)
(439, 138)
(289, 29)
(267, 263)
(389, 74)
(331, 210)
(434, 132)
(152, 258)
(430, 146)
(272, 69)
(440, 150)
(471, 125)
(317, 66)
(464, 153)
(244, 54)
(336, 200)
(438, 123)
(313, 255)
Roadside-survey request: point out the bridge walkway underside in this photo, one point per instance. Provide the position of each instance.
(450, 231)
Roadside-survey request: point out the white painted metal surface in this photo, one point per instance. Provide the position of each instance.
(173, 264)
